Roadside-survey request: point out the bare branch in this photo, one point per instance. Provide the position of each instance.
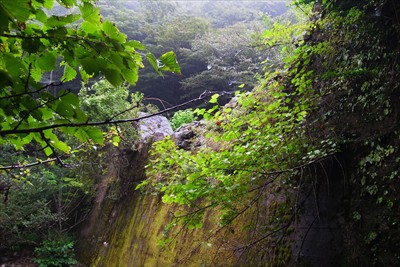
(58, 159)
(37, 107)
(33, 92)
(122, 112)
(23, 166)
(203, 96)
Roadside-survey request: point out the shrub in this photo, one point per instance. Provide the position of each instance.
(182, 117)
(55, 253)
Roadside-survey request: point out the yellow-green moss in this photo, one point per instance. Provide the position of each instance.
(135, 236)
(126, 230)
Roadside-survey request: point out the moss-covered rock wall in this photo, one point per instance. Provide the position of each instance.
(129, 228)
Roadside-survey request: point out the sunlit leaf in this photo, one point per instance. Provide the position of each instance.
(67, 3)
(90, 13)
(69, 74)
(46, 114)
(116, 140)
(214, 98)
(62, 20)
(62, 146)
(84, 75)
(95, 134)
(136, 44)
(90, 28)
(130, 75)
(153, 62)
(170, 63)
(48, 4)
(112, 31)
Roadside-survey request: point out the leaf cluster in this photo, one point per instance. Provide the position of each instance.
(34, 42)
(182, 117)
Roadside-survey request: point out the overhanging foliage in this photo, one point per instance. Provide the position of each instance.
(33, 42)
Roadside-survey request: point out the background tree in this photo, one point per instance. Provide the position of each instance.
(179, 25)
(230, 59)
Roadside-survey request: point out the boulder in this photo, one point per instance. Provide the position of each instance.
(154, 128)
(187, 136)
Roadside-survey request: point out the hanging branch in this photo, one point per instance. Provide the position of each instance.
(58, 158)
(202, 97)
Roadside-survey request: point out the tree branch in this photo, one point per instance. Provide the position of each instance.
(20, 166)
(32, 92)
(203, 96)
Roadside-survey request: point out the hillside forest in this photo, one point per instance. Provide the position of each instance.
(281, 140)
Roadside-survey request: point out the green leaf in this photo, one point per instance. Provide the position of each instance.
(136, 44)
(143, 183)
(113, 76)
(13, 64)
(170, 63)
(41, 16)
(84, 75)
(80, 116)
(90, 28)
(130, 75)
(214, 98)
(95, 134)
(47, 150)
(5, 79)
(14, 9)
(81, 134)
(90, 13)
(116, 59)
(28, 103)
(65, 110)
(46, 96)
(69, 74)
(54, 21)
(153, 62)
(58, 32)
(46, 114)
(36, 74)
(48, 4)
(46, 62)
(67, 3)
(62, 146)
(90, 66)
(112, 31)
(69, 130)
(69, 98)
(31, 45)
(116, 140)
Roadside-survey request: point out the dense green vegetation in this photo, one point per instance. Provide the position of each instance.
(215, 42)
(326, 93)
(335, 99)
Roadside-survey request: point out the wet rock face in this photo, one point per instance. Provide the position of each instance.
(187, 136)
(154, 128)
